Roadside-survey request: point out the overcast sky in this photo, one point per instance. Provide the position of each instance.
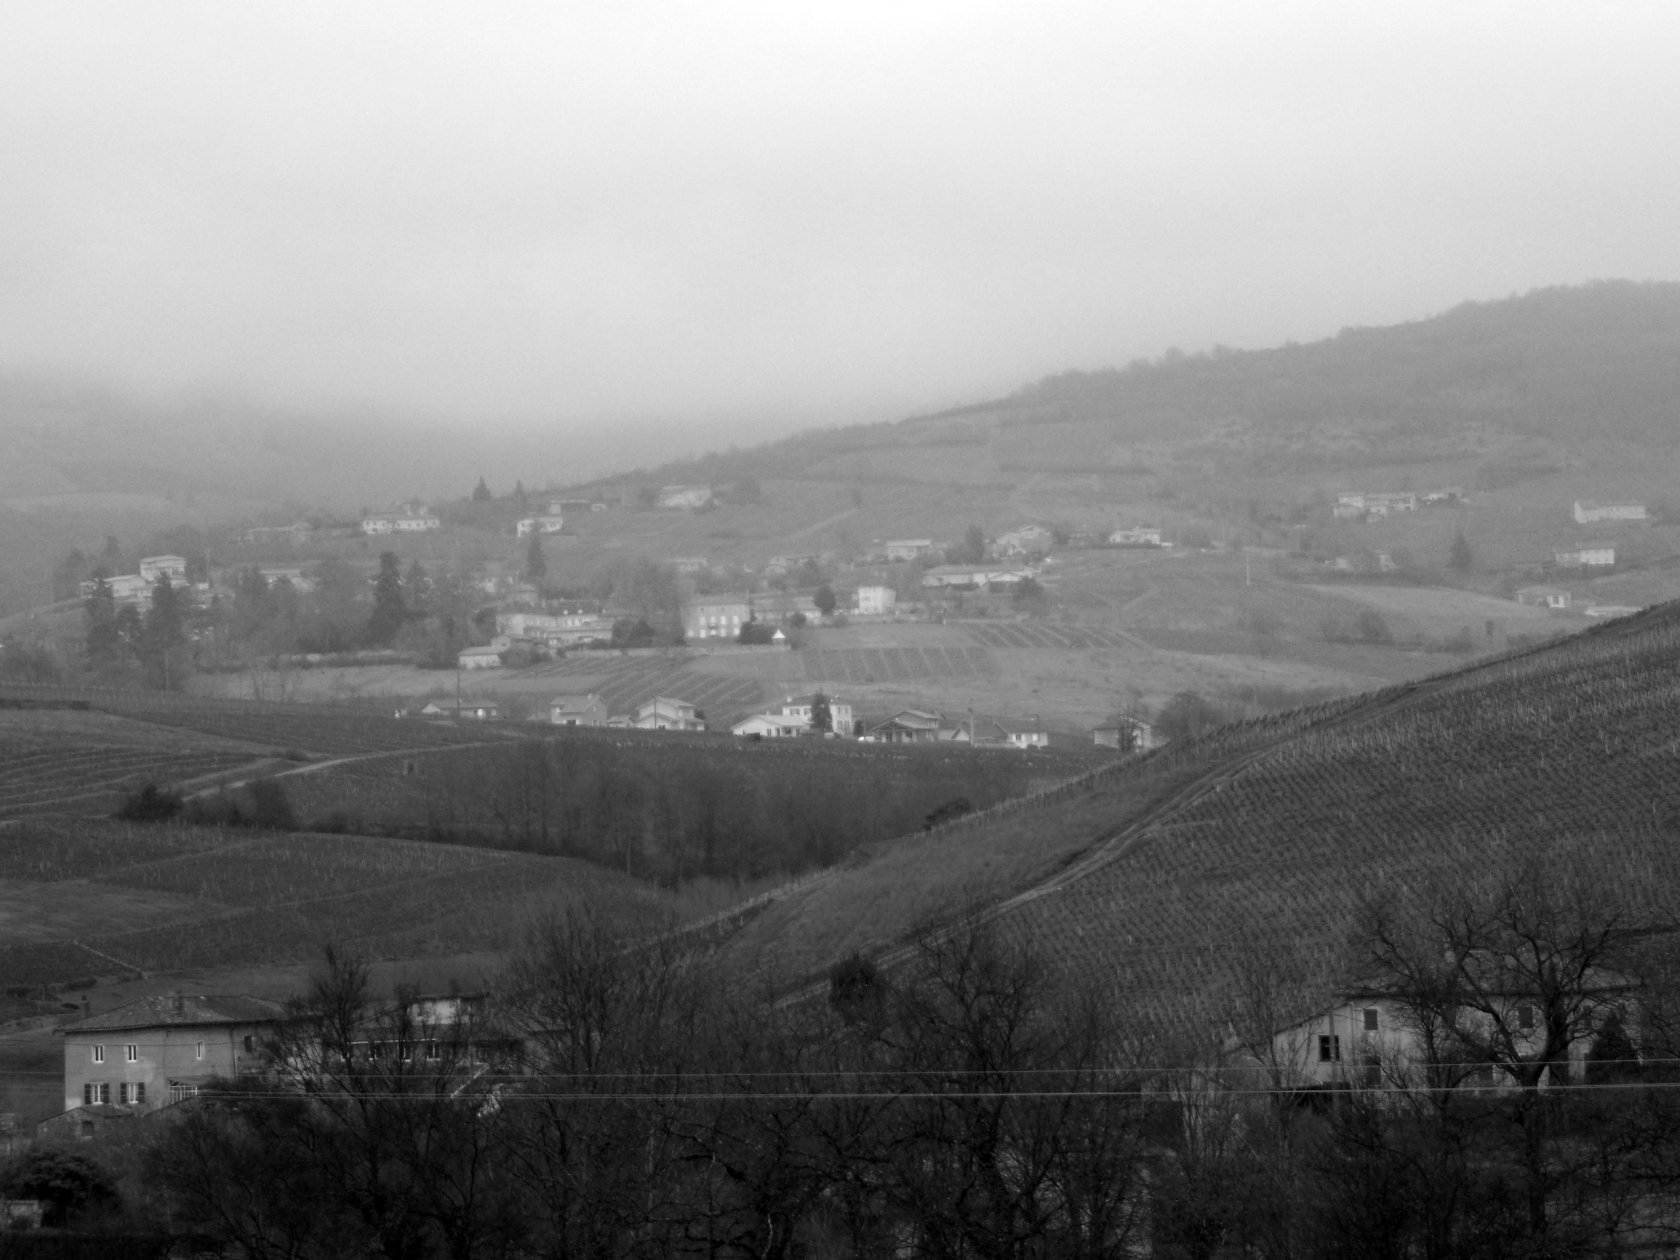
(809, 212)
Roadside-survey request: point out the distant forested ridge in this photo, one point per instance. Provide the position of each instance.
(1576, 365)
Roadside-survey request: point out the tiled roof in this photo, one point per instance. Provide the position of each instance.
(165, 1010)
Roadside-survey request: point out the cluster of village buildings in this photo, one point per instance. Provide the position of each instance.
(794, 718)
(1585, 554)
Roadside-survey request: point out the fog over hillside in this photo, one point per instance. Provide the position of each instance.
(823, 215)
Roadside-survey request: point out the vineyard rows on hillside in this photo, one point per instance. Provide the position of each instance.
(1568, 756)
(289, 895)
(36, 777)
(1041, 635)
(847, 666)
(270, 726)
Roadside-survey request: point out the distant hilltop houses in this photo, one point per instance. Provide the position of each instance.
(296, 532)
(1026, 541)
(409, 518)
(899, 549)
(1585, 558)
(975, 576)
(1136, 536)
(136, 588)
(550, 523)
(684, 496)
(1589, 513)
(1351, 504)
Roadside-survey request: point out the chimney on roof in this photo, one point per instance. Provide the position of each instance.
(176, 1004)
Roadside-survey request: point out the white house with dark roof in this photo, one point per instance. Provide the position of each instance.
(159, 1050)
(154, 567)
(907, 548)
(1024, 734)
(586, 710)
(1586, 512)
(909, 726)
(550, 524)
(1585, 558)
(1543, 596)
(771, 726)
(662, 713)
(1025, 541)
(839, 711)
(876, 600)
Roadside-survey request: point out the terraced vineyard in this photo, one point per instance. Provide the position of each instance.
(266, 727)
(1263, 837)
(40, 777)
(1029, 634)
(267, 898)
(850, 666)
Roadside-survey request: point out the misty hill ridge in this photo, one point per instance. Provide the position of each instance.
(1575, 365)
(1259, 840)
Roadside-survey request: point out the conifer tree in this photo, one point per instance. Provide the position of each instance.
(389, 610)
(536, 568)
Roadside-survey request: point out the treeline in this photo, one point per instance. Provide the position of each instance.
(670, 809)
(614, 1097)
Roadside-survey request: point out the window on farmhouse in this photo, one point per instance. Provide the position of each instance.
(198, 1051)
(1329, 1048)
(1371, 1019)
(131, 1053)
(99, 1054)
(139, 1091)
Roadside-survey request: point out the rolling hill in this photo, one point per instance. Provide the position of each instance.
(1160, 874)
(1513, 385)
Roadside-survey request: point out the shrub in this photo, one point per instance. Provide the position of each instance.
(150, 804)
(68, 1183)
(956, 807)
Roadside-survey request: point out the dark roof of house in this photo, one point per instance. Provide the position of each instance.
(166, 1010)
(911, 717)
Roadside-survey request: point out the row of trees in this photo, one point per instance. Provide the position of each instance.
(624, 1099)
(672, 812)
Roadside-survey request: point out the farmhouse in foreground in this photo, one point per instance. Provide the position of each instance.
(156, 1051)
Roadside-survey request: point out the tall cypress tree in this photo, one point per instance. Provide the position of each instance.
(536, 568)
(101, 644)
(163, 635)
(389, 610)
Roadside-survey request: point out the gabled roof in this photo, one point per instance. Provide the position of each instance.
(774, 719)
(912, 717)
(169, 1011)
(567, 703)
(666, 701)
(1019, 726)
